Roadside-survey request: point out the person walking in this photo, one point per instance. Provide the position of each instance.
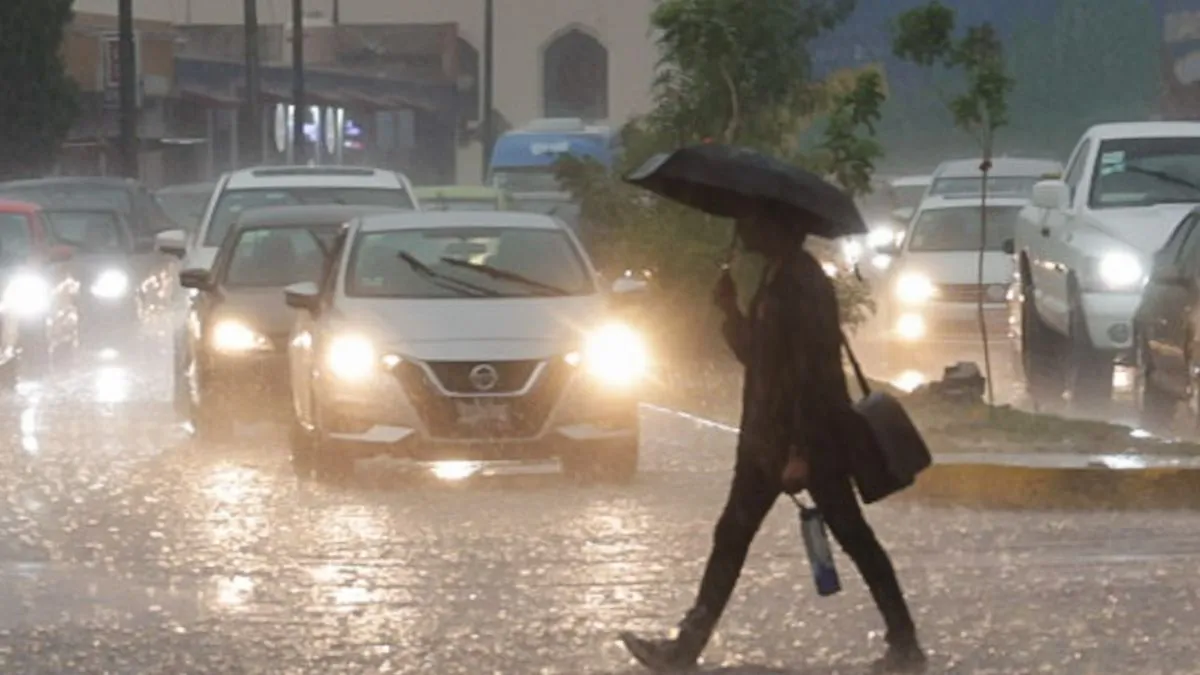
(798, 430)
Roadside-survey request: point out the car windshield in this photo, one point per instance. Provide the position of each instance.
(908, 196)
(957, 229)
(72, 196)
(1146, 171)
(185, 209)
(15, 241)
(466, 262)
(278, 256)
(87, 231)
(233, 203)
(1019, 186)
(527, 180)
(459, 204)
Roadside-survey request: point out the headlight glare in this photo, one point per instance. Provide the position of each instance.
(880, 237)
(914, 288)
(28, 295)
(232, 336)
(351, 357)
(110, 285)
(1118, 271)
(616, 355)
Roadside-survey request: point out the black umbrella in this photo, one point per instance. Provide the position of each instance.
(731, 182)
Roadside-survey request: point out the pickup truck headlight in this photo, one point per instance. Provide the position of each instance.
(1118, 272)
(351, 358)
(913, 288)
(231, 336)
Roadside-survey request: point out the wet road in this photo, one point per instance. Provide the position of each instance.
(125, 547)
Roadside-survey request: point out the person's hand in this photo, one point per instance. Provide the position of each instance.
(724, 294)
(795, 475)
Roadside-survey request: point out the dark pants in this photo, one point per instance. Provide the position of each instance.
(751, 497)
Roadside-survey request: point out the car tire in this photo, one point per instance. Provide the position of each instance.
(612, 462)
(1045, 380)
(1089, 370)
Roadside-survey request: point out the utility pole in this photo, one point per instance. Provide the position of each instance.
(489, 52)
(253, 126)
(336, 18)
(298, 120)
(127, 59)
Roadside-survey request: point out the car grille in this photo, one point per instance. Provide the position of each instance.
(455, 376)
(965, 293)
(480, 417)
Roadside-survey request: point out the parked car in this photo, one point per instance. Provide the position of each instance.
(463, 198)
(466, 336)
(1166, 329)
(240, 191)
(232, 363)
(146, 217)
(119, 284)
(39, 293)
(931, 293)
(1008, 177)
(1083, 250)
(186, 203)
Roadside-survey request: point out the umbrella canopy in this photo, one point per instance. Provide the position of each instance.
(732, 182)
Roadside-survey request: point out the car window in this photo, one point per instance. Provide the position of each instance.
(233, 203)
(89, 232)
(1146, 171)
(444, 204)
(185, 209)
(1009, 186)
(276, 257)
(538, 262)
(1075, 172)
(16, 242)
(957, 229)
(908, 196)
(1189, 253)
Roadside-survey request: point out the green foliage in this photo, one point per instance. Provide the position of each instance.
(925, 36)
(38, 101)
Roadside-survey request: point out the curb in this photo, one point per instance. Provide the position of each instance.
(1022, 487)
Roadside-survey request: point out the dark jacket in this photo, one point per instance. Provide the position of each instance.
(795, 398)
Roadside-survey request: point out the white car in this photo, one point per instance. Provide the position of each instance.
(240, 191)
(1008, 177)
(464, 336)
(1084, 246)
(932, 291)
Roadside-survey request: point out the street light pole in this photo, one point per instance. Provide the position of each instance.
(301, 114)
(253, 126)
(128, 89)
(489, 51)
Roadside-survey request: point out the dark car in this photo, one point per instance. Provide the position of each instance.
(233, 365)
(118, 283)
(146, 216)
(38, 290)
(1167, 328)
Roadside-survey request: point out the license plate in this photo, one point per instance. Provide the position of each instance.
(482, 413)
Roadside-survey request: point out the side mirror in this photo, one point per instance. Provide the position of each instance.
(171, 242)
(1009, 247)
(304, 295)
(60, 253)
(1051, 194)
(197, 278)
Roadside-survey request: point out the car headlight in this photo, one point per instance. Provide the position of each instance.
(1119, 271)
(881, 236)
(234, 337)
(110, 285)
(615, 355)
(911, 327)
(914, 289)
(28, 295)
(351, 357)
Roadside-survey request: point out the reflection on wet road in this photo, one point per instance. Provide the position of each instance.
(127, 547)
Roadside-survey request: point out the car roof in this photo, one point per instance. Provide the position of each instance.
(458, 191)
(125, 183)
(16, 206)
(306, 215)
(1144, 130)
(968, 201)
(404, 220)
(1001, 167)
(83, 209)
(312, 176)
(911, 181)
(187, 189)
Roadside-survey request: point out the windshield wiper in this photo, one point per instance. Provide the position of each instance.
(1164, 176)
(441, 280)
(505, 275)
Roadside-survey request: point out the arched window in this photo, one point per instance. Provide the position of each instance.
(575, 77)
(468, 80)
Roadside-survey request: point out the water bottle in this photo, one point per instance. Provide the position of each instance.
(820, 557)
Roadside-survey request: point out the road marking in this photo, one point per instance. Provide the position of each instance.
(702, 421)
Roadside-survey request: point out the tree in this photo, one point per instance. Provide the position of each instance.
(38, 100)
(926, 37)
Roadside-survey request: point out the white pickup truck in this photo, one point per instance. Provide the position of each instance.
(1083, 250)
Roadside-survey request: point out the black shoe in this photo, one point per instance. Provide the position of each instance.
(901, 658)
(681, 653)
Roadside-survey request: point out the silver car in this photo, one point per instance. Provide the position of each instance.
(466, 337)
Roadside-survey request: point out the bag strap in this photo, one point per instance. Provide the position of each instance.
(858, 371)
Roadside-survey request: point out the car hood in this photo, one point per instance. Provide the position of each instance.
(958, 267)
(1145, 228)
(470, 329)
(263, 309)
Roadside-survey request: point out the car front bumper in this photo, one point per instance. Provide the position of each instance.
(406, 412)
(946, 322)
(1109, 319)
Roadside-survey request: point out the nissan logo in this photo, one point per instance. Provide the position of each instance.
(483, 377)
